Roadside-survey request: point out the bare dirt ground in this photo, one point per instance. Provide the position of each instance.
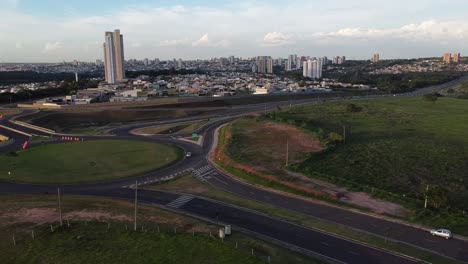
(40, 216)
(356, 198)
(270, 139)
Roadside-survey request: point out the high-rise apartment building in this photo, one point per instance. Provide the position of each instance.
(264, 64)
(291, 62)
(456, 57)
(313, 68)
(339, 60)
(447, 58)
(376, 58)
(114, 57)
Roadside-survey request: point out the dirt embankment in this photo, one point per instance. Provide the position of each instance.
(267, 141)
(220, 155)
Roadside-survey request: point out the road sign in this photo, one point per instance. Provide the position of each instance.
(194, 135)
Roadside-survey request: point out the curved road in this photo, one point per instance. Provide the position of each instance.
(306, 240)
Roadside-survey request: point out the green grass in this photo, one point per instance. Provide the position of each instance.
(395, 148)
(88, 241)
(94, 244)
(188, 184)
(181, 128)
(86, 161)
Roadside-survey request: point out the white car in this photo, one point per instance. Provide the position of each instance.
(188, 154)
(442, 233)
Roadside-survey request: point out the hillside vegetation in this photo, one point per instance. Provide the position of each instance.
(398, 149)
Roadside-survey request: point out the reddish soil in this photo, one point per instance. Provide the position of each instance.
(219, 154)
(273, 135)
(41, 216)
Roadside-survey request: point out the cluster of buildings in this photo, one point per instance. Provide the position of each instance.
(447, 58)
(312, 67)
(15, 88)
(422, 65)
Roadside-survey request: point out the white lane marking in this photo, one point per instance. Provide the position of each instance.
(181, 200)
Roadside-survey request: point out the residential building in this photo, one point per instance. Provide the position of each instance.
(339, 60)
(264, 64)
(313, 68)
(114, 57)
(456, 57)
(376, 58)
(447, 58)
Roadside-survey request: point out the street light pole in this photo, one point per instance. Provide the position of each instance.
(59, 207)
(136, 202)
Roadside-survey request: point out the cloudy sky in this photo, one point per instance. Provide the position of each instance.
(57, 30)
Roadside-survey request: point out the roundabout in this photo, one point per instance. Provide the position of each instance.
(86, 161)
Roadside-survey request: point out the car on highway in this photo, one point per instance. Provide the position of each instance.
(441, 233)
(188, 154)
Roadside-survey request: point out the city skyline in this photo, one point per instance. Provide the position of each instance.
(161, 29)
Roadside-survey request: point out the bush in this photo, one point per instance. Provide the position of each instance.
(335, 138)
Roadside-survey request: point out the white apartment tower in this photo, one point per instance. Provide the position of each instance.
(114, 57)
(313, 68)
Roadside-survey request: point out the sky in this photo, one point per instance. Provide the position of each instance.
(58, 30)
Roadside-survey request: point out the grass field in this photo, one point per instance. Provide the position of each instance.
(76, 121)
(86, 161)
(189, 184)
(394, 149)
(7, 112)
(181, 128)
(100, 232)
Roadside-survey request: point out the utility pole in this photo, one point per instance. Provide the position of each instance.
(287, 152)
(136, 201)
(59, 207)
(425, 201)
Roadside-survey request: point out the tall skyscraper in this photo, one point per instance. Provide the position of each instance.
(264, 64)
(291, 62)
(447, 57)
(376, 58)
(313, 68)
(456, 57)
(114, 57)
(305, 69)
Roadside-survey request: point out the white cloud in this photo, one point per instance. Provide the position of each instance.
(52, 46)
(19, 45)
(204, 41)
(277, 39)
(426, 31)
(241, 28)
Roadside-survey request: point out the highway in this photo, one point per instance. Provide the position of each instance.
(308, 241)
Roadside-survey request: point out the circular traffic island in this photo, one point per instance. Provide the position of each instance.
(86, 161)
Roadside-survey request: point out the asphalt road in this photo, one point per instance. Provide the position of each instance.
(305, 238)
